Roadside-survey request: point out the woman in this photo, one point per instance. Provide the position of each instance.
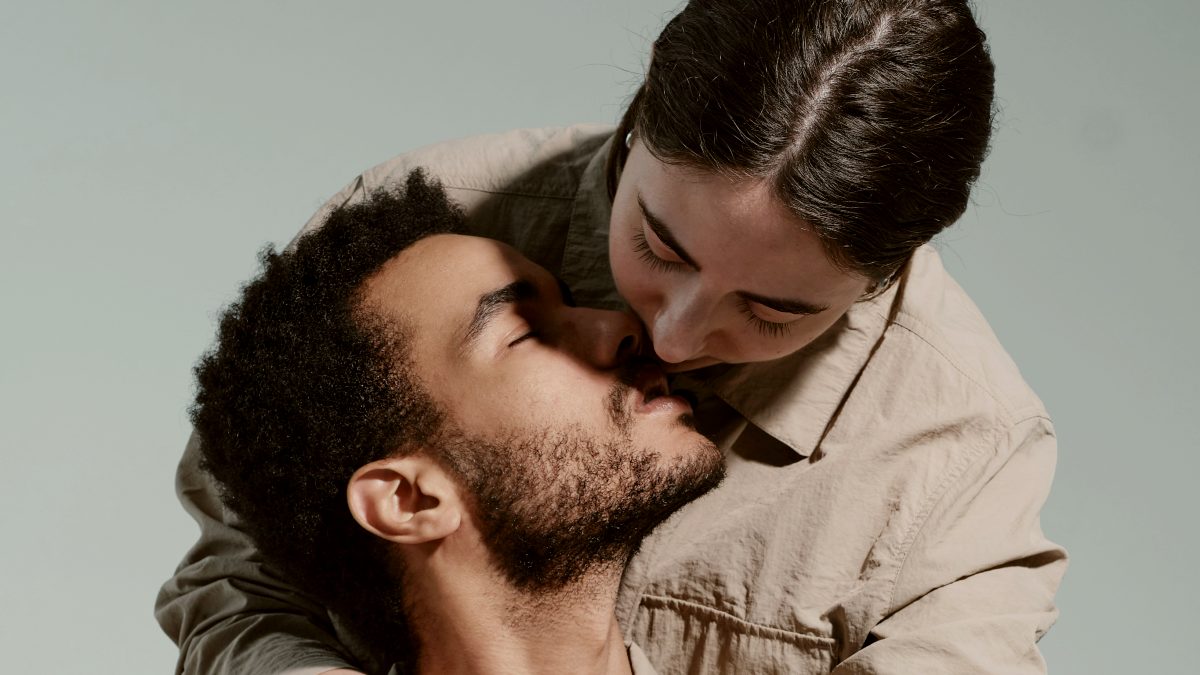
(763, 207)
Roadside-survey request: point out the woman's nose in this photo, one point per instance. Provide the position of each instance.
(678, 331)
(605, 338)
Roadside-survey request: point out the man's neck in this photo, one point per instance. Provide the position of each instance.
(478, 624)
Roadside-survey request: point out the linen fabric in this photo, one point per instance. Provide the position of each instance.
(881, 510)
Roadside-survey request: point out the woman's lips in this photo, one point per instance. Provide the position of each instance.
(690, 364)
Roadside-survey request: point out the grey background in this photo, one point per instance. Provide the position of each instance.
(149, 149)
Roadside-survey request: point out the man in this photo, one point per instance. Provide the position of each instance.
(419, 428)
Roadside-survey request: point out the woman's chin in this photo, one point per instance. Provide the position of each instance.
(690, 364)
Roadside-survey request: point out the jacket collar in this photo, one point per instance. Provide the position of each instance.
(585, 265)
(793, 399)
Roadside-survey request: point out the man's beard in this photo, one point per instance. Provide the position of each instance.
(555, 505)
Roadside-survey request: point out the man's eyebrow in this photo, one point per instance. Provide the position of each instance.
(660, 229)
(785, 306)
(490, 305)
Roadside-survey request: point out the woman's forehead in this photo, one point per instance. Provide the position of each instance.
(737, 229)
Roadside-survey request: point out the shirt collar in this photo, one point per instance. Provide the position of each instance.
(585, 265)
(794, 399)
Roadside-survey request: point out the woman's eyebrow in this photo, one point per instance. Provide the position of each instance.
(664, 233)
(785, 306)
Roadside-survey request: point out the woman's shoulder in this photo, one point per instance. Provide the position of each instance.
(942, 334)
(917, 357)
(517, 186)
(544, 162)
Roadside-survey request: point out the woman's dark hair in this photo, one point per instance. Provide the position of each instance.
(871, 117)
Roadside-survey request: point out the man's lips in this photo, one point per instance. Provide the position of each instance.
(651, 382)
(654, 392)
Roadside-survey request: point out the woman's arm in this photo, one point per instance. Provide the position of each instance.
(976, 591)
(226, 609)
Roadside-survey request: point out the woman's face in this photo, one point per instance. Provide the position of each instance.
(717, 268)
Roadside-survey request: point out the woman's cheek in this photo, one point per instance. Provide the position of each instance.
(629, 276)
(642, 297)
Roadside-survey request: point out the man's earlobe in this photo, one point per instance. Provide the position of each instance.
(406, 500)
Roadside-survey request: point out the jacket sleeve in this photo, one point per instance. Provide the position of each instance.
(226, 609)
(976, 591)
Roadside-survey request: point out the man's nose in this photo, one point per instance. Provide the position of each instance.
(605, 338)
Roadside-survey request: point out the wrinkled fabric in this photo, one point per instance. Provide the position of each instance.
(638, 663)
(881, 511)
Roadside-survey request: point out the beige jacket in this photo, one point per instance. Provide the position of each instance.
(881, 513)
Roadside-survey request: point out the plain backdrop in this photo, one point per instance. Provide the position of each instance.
(149, 149)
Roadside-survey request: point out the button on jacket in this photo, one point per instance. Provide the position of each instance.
(881, 510)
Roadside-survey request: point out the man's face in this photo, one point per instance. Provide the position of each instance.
(497, 346)
(564, 438)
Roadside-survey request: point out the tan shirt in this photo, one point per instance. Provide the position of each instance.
(881, 513)
(638, 664)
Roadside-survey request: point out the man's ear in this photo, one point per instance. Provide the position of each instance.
(406, 500)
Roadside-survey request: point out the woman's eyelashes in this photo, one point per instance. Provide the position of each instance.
(641, 246)
(764, 327)
(646, 252)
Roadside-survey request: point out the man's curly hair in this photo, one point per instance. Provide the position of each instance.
(304, 386)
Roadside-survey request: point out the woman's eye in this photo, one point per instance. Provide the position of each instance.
(763, 326)
(642, 247)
